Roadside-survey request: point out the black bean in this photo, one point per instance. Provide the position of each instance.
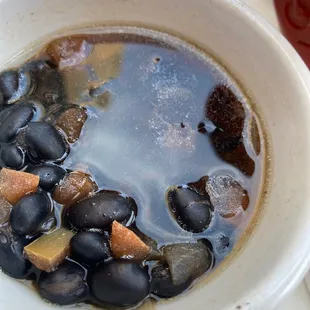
(64, 286)
(12, 261)
(45, 142)
(227, 195)
(187, 261)
(100, 211)
(162, 285)
(1, 99)
(40, 109)
(49, 174)
(12, 156)
(8, 83)
(31, 213)
(182, 196)
(192, 211)
(5, 111)
(13, 118)
(197, 216)
(120, 283)
(90, 248)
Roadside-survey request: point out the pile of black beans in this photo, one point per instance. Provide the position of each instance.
(35, 137)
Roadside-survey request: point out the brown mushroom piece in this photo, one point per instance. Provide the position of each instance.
(226, 111)
(228, 115)
(68, 51)
(228, 197)
(71, 122)
(74, 186)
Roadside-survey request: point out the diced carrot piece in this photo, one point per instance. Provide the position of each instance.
(75, 186)
(50, 250)
(16, 184)
(126, 244)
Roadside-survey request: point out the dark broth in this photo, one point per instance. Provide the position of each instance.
(146, 94)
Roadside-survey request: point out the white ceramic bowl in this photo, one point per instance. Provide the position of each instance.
(277, 255)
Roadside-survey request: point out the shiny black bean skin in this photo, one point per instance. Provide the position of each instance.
(119, 283)
(13, 118)
(12, 261)
(162, 285)
(100, 211)
(45, 142)
(182, 196)
(192, 211)
(49, 174)
(8, 83)
(89, 248)
(30, 214)
(5, 111)
(196, 217)
(39, 107)
(12, 156)
(65, 285)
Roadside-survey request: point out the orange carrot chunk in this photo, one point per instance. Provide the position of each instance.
(126, 244)
(16, 184)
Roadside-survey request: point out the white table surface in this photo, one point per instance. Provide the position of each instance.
(300, 298)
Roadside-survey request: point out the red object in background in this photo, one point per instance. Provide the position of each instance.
(294, 17)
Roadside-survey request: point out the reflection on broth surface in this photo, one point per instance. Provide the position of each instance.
(145, 150)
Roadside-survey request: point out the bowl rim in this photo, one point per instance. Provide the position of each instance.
(290, 281)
